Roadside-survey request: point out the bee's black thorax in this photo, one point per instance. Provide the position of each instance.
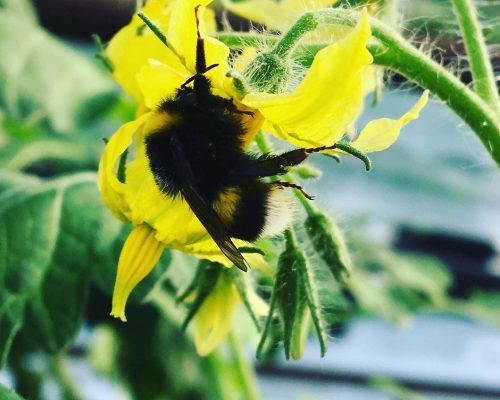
(209, 130)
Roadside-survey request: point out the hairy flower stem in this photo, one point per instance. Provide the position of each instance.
(482, 72)
(422, 70)
(306, 23)
(396, 53)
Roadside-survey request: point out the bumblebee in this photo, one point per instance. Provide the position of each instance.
(199, 154)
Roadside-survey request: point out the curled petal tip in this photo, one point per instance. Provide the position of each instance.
(120, 315)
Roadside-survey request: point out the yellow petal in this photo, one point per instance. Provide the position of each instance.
(139, 255)
(302, 5)
(112, 190)
(158, 81)
(214, 319)
(329, 98)
(274, 15)
(133, 45)
(382, 133)
(266, 12)
(251, 123)
(182, 37)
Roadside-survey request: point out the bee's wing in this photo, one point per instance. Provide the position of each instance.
(204, 211)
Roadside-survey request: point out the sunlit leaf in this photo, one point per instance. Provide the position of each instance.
(7, 394)
(53, 236)
(44, 81)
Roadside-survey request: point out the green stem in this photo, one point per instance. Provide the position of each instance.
(430, 75)
(306, 23)
(396, 53)
(482, 72)
(59, 370)
(401, 56)
(245, 372)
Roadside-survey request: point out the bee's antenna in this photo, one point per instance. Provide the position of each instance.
(201, 84)
(201, 63)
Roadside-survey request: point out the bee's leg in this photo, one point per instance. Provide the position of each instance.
(183, 86)
(269, 165)
(294, 186)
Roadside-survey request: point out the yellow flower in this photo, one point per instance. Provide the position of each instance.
(316, 112)
(135, 44)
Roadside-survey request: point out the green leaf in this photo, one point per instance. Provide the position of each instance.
(204, 281)
(44, 81)
(23, 8)
(11, 319)
(51, 236)
(7, 394)
(12, 179)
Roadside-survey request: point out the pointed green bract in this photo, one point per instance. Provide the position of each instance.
(203, 283)
(329, 243)
(242, 286)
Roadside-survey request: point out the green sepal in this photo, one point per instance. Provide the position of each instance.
(121, 173)
(261, 348)
(251, 250)
(355, 153)
(154, 28)
(329, 243)
(101, 53)
(289, 292)
(243, 286)
(268, 72)
(334, 156)
(203, 282)
(307, 172)
(296, 300)
(238, 82)
(314, 307)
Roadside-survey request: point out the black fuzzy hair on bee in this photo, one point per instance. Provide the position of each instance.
(199, 155)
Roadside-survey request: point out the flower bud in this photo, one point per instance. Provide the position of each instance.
(268, 73)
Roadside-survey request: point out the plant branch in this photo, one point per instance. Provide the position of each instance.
(482, 71)
(396, 53)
